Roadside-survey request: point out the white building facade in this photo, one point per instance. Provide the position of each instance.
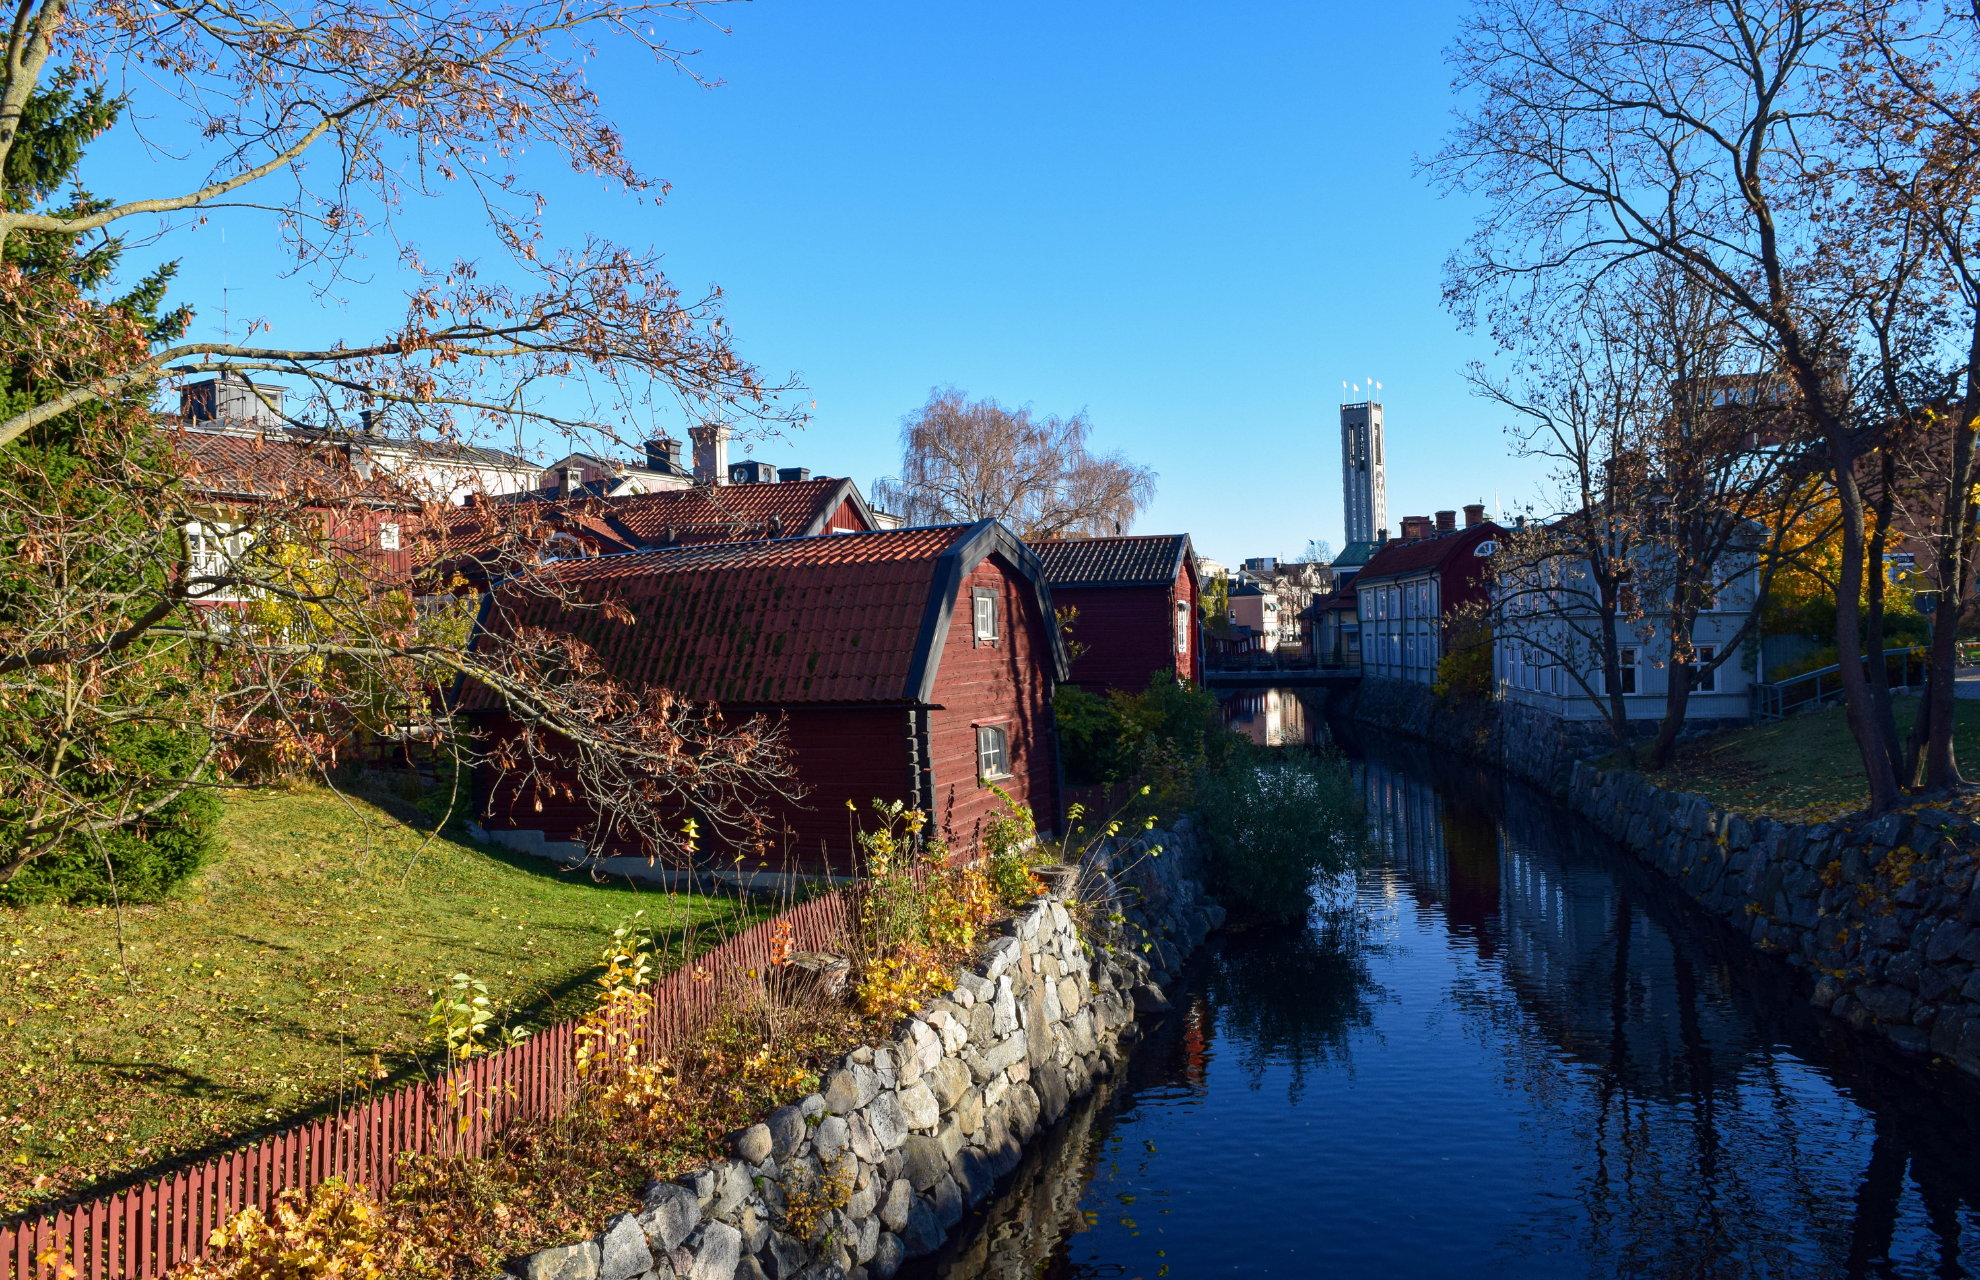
(1548, 654)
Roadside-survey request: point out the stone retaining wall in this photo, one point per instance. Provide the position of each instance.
(1525, 741)
(1881, 915)
(903, 1138)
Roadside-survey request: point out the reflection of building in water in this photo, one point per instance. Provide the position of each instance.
(1605, 982)
(1270, 717)
(1448, 851)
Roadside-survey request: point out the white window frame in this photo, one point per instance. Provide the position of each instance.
(983, 615)
(212, 548)
(388, 536)
(993, 752)
(1701, 655)
(1626, 667)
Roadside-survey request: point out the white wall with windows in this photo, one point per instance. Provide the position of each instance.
(1401, 627)
(1547, 652)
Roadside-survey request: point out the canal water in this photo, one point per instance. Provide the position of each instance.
(1503, 1049)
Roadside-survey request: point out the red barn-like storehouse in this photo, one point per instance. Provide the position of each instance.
(913, 665)
(1136, 598)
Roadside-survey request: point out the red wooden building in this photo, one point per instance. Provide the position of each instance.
(1136, 598)
(913, 665)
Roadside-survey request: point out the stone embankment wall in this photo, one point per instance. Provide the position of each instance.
(1524, 741)
(1882, 915)
(903, 1138)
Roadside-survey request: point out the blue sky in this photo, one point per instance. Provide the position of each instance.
(1191, 222)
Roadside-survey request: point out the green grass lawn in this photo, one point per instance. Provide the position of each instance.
(294, 969)
(1805, 768)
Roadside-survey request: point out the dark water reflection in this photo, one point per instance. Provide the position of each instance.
(1503, 1050)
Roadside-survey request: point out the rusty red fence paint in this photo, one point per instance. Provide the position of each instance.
(146, 1230)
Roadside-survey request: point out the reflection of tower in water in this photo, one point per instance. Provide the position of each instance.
(1270, 717)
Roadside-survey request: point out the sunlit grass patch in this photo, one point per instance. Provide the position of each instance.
(1805, 768)
(295, 971)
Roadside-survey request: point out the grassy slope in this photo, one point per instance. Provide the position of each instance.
(1802, 769)
(265, 987)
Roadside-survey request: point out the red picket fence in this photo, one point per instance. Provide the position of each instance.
(145, 1231)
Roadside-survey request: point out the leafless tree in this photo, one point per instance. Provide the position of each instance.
(1562, 582)
(1698, 134)
(964, 461)
(263, 618)
(1909, 98)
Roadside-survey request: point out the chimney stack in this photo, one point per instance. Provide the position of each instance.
(1474, 514)
(664, 454)
(711, 454)
(573, 481)
(793, 475)
(1414, 527)
(370, 420)
(1447, 522)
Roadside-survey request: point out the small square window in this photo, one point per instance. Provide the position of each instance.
(1709, 681)
(388, 537)
(985, 605)
(993, 752)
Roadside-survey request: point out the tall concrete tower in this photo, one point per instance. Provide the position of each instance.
(1364, 495)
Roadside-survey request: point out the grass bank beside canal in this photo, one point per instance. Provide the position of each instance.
(295, 968)
(1803, 769)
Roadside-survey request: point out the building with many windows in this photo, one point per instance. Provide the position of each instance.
(1408, 594)
(1548, 650)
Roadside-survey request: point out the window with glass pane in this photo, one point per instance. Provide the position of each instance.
(993, 752)
(1709, 681)
(986, 617)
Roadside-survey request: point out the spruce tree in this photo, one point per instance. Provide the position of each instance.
(76, 495)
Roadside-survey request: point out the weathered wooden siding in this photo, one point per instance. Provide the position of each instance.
(846, 519)
(1130, 632)
(1009, 682)
(843, 753)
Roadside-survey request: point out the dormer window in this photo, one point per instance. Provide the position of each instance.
(983, 602)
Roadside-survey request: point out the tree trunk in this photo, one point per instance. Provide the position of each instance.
(1863, 722)
(1677, 686)
(1873, 623)
(1612, 682)
(1941, 765)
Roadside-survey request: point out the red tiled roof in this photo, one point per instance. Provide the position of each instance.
(1133, 561)
(731, 512)
(489, 540)
(1398, 558)
(231, 467)
(856, 618)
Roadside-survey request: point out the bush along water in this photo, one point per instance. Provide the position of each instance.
(1277, 820)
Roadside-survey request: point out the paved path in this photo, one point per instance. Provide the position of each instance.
(1966, 682)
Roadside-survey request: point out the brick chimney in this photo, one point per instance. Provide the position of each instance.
(1415, 527)
(1474, 514)
(1447, 522)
